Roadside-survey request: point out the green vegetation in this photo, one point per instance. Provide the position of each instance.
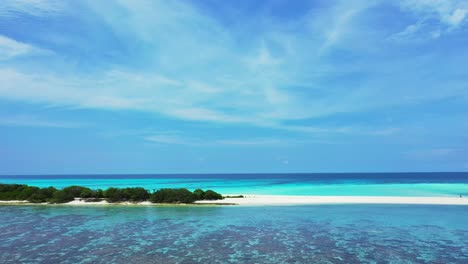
(61, 196)
(173, 196)
(9, 192)
(234, 196)
(136, 194)
(208, 195)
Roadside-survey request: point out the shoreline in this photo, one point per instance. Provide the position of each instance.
(278, 200)
(79, 202)
(259, 200)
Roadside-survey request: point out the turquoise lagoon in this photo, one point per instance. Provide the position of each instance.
(232, 234)
(354, 184)
(243, 234)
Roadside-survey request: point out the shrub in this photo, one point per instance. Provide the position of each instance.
(47, 192)
(199, 194)
(79, 191)
(173, 196)
(212, 195)
(234, 196)
(11, 191)
(135, 194)
(61, 196)
(37, 198)
(27, 192)
(87, 193)
(99, 194)
(113, 195)
(42, 195)
(11, 187)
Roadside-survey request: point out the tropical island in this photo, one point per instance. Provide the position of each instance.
(52, 195)
(79, 195)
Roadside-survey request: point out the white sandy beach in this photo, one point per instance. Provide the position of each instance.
(14, 202)
(303, 200)
(259, 200)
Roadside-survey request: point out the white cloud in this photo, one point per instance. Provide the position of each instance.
(11, 8)
(118, 90)
(10, 48)
(356, 130)
(338, 28)
(386, 131)
(34, 121)
(449, 15)
(333, 27)
(115, 90)
(168, 139)
(263, 59)
(458, 17)
(179, 138)
(197, 70)
(176, 138)
(450, 12)
(253, 142)
(409, 31)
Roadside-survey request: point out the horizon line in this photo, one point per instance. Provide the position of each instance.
(236, 173)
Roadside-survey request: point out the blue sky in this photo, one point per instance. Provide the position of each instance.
(233, 86)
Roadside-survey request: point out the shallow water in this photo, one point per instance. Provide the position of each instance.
(230, 234)
(357, 184)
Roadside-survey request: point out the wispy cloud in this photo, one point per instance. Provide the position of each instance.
(385, 131)
(323, 136)
(10, 48)
(34, 121)
(263, 59)
(116, 90)
(340, 21)
(333, 130)
(168, 139)
(250, 88)
(14, 8)
(199, 73)
(184, 64)
(254, 142)
(452, 13)
(433, 18)
(177, 138)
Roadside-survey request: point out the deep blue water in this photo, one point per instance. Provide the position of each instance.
(410, 177)
(230, 234)
(380, 184)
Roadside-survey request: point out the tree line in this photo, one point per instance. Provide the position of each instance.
(23, 192)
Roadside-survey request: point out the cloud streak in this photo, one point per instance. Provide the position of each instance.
(184, 64)
(10, 48)
(34, 121)
(316, 80)
(16, 8)
(448, 16)
(171, 138)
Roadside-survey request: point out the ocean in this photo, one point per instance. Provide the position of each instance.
(346, 184)
(233, 234)
(243, 234)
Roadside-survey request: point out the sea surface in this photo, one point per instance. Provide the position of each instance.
(353, 184)
(242, 234)
(234, 234)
